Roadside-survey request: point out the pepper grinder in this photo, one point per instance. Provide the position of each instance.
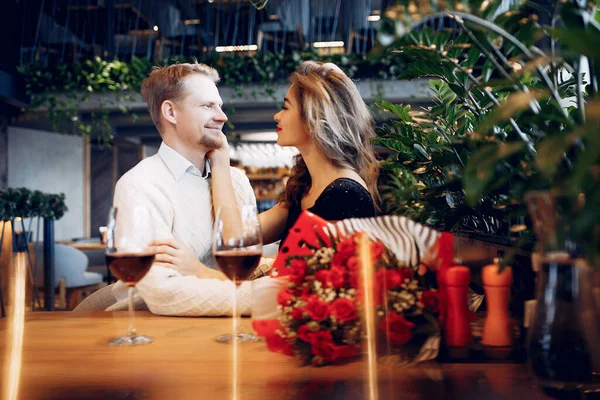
(497, 329)
(457, 329)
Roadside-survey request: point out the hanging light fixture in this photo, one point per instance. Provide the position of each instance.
(259, 4)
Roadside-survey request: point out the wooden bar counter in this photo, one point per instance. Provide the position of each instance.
(65, 356)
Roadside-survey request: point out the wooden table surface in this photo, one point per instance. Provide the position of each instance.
(65, 356)
(85, 245)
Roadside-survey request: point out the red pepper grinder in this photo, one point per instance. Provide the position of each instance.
(497, 330)
(456, 327)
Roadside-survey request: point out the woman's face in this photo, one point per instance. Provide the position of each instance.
(291, 129)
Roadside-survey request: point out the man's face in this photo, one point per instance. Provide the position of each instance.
(199, 116)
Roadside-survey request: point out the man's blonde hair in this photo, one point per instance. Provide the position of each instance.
(166, 83)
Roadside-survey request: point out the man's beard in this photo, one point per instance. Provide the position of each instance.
(211, 142)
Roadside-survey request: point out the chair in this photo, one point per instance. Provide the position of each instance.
(100, 300)
(105, 300)
(70, 274)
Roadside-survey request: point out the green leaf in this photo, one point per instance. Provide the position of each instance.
(513, 104)
(398, 110)
(421, 152)
(579, 40)
(479, 171)
(551, 150)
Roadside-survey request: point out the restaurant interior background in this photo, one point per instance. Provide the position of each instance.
(73, 121)
(54, 33)
(486, 123)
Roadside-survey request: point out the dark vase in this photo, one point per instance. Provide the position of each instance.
(564, 343)
(564, 340)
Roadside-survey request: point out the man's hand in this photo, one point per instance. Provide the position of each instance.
(219, 158)
(171, 253)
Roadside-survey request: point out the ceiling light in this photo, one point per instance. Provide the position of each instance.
(155, 29)
(373, 18)
(328, 44)
(245, 47)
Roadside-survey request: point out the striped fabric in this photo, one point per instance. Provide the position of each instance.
(407, 239)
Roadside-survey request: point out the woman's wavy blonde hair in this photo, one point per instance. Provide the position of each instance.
(339, 122)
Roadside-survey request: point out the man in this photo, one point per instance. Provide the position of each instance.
(176, 185)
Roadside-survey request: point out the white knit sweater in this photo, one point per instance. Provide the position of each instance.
(180, 198)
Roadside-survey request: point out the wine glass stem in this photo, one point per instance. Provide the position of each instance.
(236, 317)
(131, 330)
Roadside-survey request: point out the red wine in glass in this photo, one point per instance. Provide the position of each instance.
(129, 267)
(238, 265)
(237, 248)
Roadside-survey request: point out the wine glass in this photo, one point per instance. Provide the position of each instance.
(129, 255)
(237, 248)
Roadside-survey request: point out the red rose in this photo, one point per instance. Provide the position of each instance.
(297, 271)
(330, 352)
(322, 346)
(284, 297)
(337, 277)
(376, 251)
(397, 328)
(405, 273)
(279, 344)
(385, 279)
(346, 249)
(322, 276)
(353, 264)
(301, 292)
(276, 342)
(298, 313)
(344, 310)
(338, 260)
(319, 336)
(325, 350)
(317, 309)
(304, 333)
(333, 278)
(430, 300)
(344, 351)
(353, 272)
(393, 278)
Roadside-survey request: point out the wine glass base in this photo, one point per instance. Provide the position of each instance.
(128, 341)
(240, 338)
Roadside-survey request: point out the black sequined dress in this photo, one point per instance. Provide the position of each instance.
(341, 199)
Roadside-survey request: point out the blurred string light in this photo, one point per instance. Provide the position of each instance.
(328, 44)
(228, 49)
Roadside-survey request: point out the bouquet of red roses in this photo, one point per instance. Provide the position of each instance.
(407, 307)
(322, 307)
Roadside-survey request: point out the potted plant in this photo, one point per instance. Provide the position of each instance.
(510, 123)
(17, 204)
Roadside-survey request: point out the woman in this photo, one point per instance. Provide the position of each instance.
(335, 172)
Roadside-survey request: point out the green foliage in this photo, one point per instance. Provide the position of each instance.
(63, 88)
(497, 128)
(24, 203)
